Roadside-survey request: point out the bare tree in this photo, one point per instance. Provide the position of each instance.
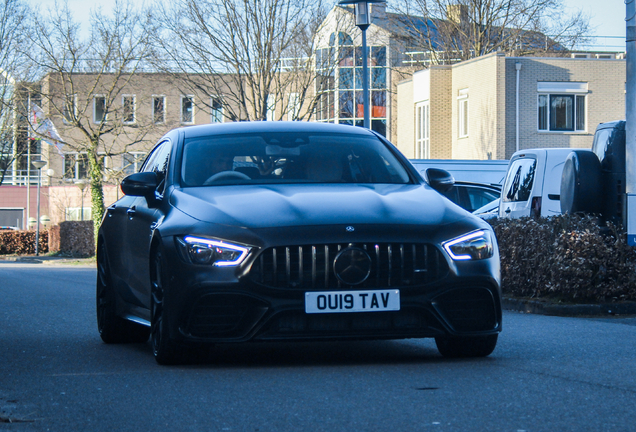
(251, 56)
(447, 31)
(13, 69)
(85, 81)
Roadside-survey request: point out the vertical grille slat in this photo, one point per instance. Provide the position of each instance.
(300, 266)
(327, 266)
(288, 265)
(401, 263)
(311, 266)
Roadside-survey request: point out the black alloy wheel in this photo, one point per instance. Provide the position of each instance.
(466, 346)
(112, 328)
(165, 350)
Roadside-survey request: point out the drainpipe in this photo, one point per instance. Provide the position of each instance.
(518, 68)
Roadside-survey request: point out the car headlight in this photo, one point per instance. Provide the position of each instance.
(472, 246)
(216, 252)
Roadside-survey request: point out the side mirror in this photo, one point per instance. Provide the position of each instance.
(140, 184)
(439, 179)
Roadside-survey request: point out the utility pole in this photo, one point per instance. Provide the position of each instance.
(630, 122)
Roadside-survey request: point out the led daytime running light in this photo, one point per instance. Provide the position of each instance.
(470, 236)
(222, 245)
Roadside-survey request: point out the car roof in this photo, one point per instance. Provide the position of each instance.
(272, 126)
(494, 187)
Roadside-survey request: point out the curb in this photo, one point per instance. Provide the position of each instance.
(568, 310)
(46, 260)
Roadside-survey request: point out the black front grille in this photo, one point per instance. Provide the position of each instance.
(311, 266)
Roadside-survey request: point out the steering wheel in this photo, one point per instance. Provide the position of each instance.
(226, 175)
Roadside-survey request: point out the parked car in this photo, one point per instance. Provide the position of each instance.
(489, 211)
(533, 183)
(277, 231)
(472, 196)
(466, 170)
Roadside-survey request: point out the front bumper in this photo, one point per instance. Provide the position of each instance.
(213, 305)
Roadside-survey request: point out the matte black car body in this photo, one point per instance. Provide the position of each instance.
(293, 232)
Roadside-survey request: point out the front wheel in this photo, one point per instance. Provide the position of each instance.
(465, 346)
(165, 350)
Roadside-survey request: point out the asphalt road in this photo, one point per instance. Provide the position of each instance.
(547, 374)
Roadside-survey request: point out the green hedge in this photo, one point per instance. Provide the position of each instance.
(569, 258)
(22, 242)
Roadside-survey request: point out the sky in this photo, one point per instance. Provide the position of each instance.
(607, 17)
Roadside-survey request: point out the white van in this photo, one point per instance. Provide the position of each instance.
(466, 170)
(532, 186)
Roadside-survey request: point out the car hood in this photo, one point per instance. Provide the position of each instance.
(266, 206)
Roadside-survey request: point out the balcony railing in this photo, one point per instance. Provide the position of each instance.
(24, 177)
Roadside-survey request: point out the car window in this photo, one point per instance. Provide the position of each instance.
(158, 162)
(478, 197)
(288, 158)
(519, 180)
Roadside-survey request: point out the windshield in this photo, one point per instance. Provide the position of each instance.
(261, 158)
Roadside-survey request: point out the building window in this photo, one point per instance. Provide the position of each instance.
(293, 106)
(422, 138)
(216, 109)
(158, 109)
(187, 109)
(128, 103)
(99, 109)
(76, 213)
(561, 106)
(270, 115)
(463, 117)
(131, 162)
(339, 83)
(75, 166)
(70, 108)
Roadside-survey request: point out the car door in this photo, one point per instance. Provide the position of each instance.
(142, 217)
(516, 195)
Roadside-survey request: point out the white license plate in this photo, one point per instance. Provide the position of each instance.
(352, 301)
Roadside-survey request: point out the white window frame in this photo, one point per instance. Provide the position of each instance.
(270, 114)
(76, 166)
(568, 88)
(463, 116)
(134, 108)
(216, 115)
(163, 111)
(105, 116)
(183, 98)
(75, 213)
(138, 160)
(422, 130)
(293, 106)
(65, 112)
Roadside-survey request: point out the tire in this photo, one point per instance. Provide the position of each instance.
(165, 350)
(462, 347)
(112, 328)
(581, 183)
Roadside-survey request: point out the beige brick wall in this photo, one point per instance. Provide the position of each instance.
(480, 78)
(405, 119)
(605, 98)
(441, 107)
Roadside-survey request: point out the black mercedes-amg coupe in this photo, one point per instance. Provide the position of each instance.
(272, 231)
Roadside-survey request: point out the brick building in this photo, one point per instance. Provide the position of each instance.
(469, 110)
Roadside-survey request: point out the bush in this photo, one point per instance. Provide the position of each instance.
(22, 242)
(570, 258)
(75, 238)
